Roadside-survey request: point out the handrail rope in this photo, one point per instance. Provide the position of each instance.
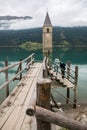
(59, 67)
(65, 71)
(28, 58)
(71, 69)
(30, 62)
(7, 82)
(65, 97)
(11, 66)
(67, 67)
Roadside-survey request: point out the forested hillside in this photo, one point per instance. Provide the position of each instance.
(61, 36)
(17, 37)
(71, 36)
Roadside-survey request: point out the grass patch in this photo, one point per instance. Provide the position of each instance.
(31, 46)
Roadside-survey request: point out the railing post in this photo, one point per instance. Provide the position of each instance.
(75, 89)
(20, 69)
(45, 75)
(6, 76)
(32, 60)
(68, 89)
(43, 100)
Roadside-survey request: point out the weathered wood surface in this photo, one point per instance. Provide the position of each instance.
(43, 100)
(13, 109)
(58, 119)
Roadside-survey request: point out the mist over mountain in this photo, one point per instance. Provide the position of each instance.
(8, 17)
(71, 36)
(7, 21)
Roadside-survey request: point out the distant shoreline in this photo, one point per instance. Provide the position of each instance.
(9, 46)
(60, 46)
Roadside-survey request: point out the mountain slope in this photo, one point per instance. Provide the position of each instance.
(61, 36)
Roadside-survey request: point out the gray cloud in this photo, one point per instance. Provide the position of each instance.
(9, 18)
(62, 12)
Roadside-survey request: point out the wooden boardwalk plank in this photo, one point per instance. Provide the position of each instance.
(12, 97)
(10, 123)
(7, 106)
(28, 101)
(22, 96)
(27, 123)
(20, 100)
(6, 116)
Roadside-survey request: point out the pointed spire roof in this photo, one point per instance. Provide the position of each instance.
(47, 22)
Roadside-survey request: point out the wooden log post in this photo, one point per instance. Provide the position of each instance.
(6, 76)
(55, 118)
(43, 100)
(20, 69)
(32, 60)
(75, 89)
(68, 89)
(45, 74)
(54, 101)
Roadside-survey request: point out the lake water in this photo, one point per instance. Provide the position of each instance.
(77, 56)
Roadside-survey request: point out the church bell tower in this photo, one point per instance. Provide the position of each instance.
(47, 35)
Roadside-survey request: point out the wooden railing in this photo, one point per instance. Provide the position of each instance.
(70, 74)
(42, 109)
(28, 62)
(43, 113)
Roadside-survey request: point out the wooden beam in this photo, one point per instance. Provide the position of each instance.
(58, 119)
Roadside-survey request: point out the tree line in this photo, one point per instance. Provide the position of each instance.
(72, 36)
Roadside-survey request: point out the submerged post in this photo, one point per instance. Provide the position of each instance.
(75, 89)
(6, 76)
(43, 100)
(68, 89)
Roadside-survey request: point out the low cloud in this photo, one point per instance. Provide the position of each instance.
(10, 22)
(62, 12)
(9, 18)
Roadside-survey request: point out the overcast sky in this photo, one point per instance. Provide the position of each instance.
(62, 13)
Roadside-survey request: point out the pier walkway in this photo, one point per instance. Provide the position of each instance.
(13, 110)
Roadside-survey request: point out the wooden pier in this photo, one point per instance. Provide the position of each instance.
(33, 89)
(13, 109)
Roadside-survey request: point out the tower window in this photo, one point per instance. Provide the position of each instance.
(47, 30)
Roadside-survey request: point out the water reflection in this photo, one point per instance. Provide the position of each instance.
(75, 55)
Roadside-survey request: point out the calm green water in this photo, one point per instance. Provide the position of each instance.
(77, 56)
